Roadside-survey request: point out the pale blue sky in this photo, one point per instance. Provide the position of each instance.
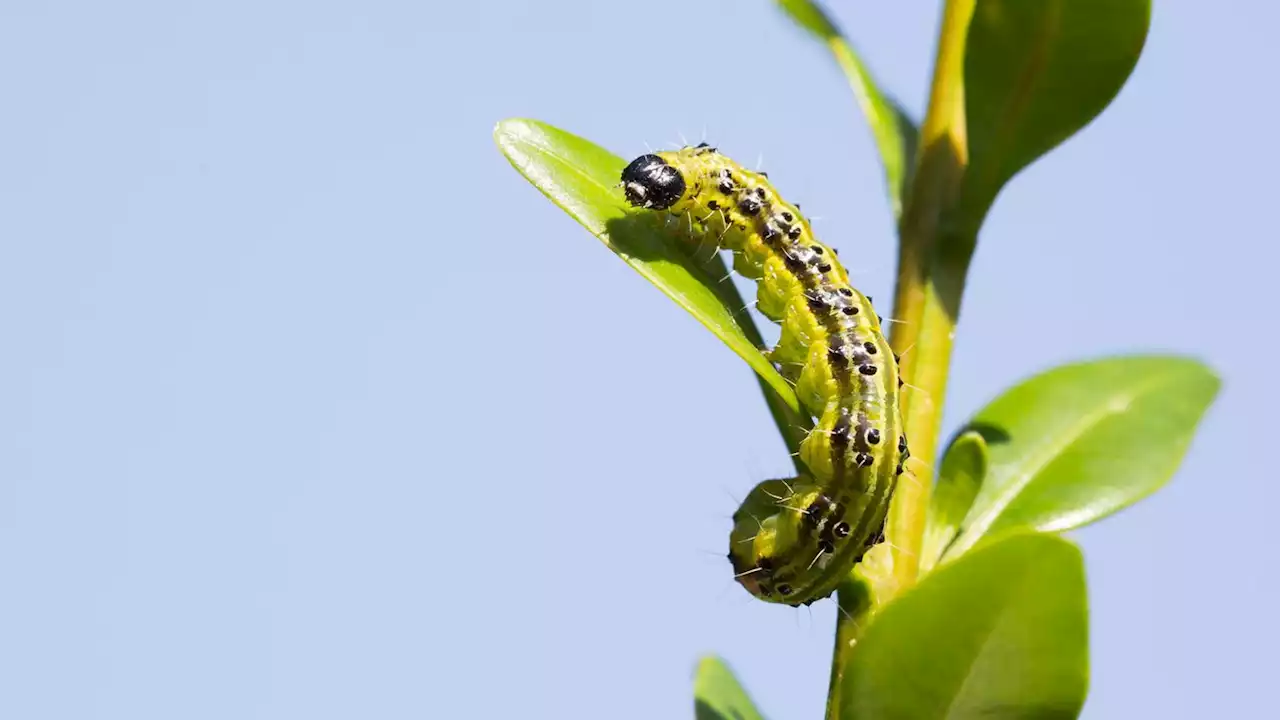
(278, 440)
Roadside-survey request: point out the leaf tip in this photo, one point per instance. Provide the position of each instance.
(1204, 373)
(810, 16)
(709, 662)
(512, 132)
(1211, 375)
(506, 128)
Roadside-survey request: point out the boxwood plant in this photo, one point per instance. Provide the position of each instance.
(979, 609)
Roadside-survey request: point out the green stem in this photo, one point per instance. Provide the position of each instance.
(854, 603)
(933, 263)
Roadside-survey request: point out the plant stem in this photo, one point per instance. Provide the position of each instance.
(933, 262)
(854, 605)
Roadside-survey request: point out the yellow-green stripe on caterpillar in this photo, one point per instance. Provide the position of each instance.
(794, 541)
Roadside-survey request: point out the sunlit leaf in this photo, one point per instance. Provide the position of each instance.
(1000, 634)
(1081, 441)
(582, 179)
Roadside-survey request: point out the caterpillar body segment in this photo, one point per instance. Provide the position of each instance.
(794, 541)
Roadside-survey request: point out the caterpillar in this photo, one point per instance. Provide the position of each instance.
(794, 540)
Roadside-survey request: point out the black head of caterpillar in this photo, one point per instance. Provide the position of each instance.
(794, 541)
(649, 182)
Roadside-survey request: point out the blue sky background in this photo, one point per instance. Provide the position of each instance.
(310, 407)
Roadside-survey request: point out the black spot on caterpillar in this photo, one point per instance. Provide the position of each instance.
(795, 540)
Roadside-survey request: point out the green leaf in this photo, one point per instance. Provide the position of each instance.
(1001, 633)
(959, 477)
(1082, 441)
(718, 696)
(894, 132)
(1035, 73)
(582, 179)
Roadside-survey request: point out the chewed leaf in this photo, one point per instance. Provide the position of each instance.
(1082, 441)
(582, 178)
(894, 132)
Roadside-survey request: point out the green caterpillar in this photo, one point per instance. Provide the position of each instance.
(794, 541)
